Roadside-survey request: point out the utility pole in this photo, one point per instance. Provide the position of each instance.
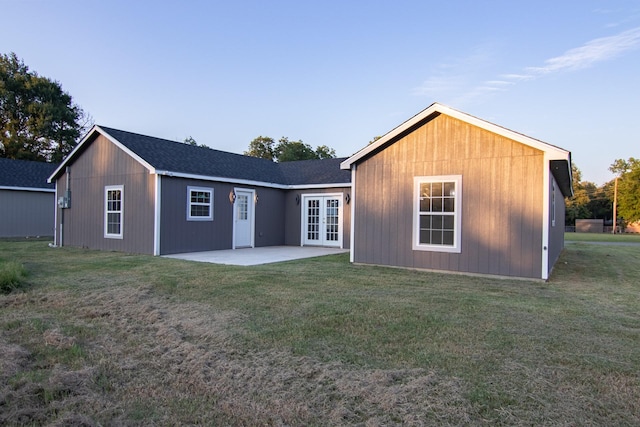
(615, 205)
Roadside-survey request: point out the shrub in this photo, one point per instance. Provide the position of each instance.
(12, 275)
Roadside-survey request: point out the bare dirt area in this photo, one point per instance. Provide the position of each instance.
(146, 358)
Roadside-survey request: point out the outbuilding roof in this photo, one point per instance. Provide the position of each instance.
(173, 158)
(26, 175)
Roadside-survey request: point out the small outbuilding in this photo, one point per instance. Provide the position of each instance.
(447, 191)
(27, 200)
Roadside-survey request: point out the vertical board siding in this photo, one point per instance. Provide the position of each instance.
(556, 233)
(501, 200)
(102, 164)
(26, 213)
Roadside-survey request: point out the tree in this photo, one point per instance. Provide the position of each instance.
(38, 120)
(577, 206)
(628, 172)
(262, 147)
(287, 151)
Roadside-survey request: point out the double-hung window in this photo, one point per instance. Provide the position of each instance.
(199, 204)
(113, 211)
(437, 213)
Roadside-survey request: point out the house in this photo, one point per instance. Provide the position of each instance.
(447, 191)
(26, 199)
(127, 192)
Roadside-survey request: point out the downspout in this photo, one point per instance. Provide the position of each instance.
(353, 214)
(66, 203)
(545, 217)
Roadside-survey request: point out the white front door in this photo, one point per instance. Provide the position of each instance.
(322, 223)
(243, 224)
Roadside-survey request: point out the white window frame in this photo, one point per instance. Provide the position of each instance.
(457, 214)
(190, 203)
(553, 202)
(107, 189)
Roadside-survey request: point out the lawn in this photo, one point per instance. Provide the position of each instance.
(602, 237)
(104, 338)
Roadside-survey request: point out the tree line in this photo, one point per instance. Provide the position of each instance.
(590, 201)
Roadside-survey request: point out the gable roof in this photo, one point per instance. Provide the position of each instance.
(165, 157)
(560, 159)
(26, 175)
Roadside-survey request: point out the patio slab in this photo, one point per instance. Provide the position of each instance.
(257, 256)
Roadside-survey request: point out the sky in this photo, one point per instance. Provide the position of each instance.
(339, 73)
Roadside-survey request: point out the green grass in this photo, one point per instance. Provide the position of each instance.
(602, 237)
(12, 275)
(121, 338)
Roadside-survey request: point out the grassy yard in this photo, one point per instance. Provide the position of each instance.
(99, 338)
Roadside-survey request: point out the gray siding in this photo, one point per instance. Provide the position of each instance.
(501, 200)
(179, 235)
(556, 233)
(293, 214)
(26, 213)
(102, 163)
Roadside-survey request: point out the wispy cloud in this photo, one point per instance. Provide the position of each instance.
(597, 50)
(455, 81)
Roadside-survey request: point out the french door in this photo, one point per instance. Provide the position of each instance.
(322, 225)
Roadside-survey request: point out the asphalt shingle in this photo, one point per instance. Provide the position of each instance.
(26, 174)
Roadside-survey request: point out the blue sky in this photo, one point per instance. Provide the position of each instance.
(339, 73)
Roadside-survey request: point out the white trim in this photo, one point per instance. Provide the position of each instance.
(457, 214)
(209, 190)
(55, 217)
(352, 237)
(108, 188)
(252, 205)
(156, 216)
(250, 183)
(553, 152)
(545, 218)
(35, 189)
(303, 216)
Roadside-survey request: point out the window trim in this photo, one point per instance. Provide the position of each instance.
(107, 189)
(457, 214)
(190, 203)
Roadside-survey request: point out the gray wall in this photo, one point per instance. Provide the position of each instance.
(26, 213)
(556, 233)
(179, 235)
(102, 163)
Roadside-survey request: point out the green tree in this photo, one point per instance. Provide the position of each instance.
(262, 147)
(577, 206)
(38, 120)
(287, 151)
(628, 172)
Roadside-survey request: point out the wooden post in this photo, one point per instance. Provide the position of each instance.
(615, 206)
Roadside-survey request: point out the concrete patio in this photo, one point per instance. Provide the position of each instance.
(257, 256)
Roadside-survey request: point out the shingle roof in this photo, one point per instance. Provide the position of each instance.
(177, 157)
(26, 174)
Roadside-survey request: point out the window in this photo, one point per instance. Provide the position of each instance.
(199, 204)
(113, 209)
(437, 208)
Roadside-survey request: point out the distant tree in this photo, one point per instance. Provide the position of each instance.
(628, 188)
(577, 206)
(189, 140)
(324, 152)
(262, 147)
(286, 150)
(375, 138)
(38, 120)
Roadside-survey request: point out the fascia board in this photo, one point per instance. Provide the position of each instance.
(35, 189)
(553, 152)
(247, 182)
